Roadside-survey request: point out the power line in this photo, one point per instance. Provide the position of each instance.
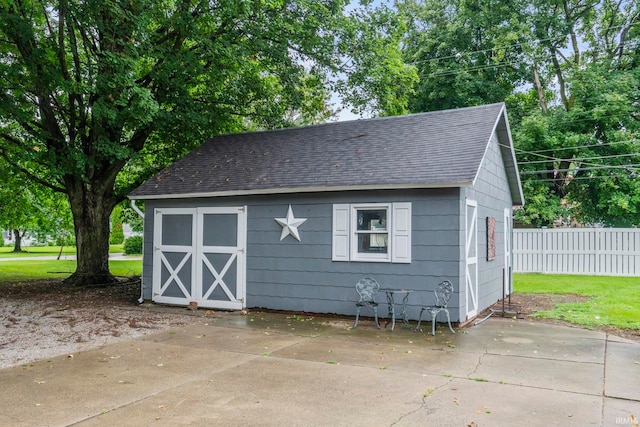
(580, 159)
(556, 159)
(575, 120)
(580, 169)
(457, 55)
(575, 147)
(551, 158)
(581, 178)
(471, 69)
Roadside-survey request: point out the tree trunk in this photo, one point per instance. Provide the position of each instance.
(17, 246)
(539, 88)
(91, 213)
(61, 247)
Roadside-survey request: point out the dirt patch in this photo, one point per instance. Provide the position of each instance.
(524, 306)
(42, 319)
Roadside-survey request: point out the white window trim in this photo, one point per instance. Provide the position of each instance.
(345, 238)
(369, 257)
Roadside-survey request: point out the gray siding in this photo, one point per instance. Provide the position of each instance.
(491, 191)
(300, 276)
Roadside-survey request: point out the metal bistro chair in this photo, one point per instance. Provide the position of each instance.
(443, 294)
(367, 288)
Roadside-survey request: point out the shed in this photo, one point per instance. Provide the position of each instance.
(291, 219)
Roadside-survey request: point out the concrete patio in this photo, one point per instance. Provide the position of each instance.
(279, 369)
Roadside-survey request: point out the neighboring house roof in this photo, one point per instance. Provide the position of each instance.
(425, 150)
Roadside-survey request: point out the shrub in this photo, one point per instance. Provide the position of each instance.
(133, 245)
(117, 234)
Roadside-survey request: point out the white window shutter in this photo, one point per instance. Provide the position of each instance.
(340, 232)
(401, 233)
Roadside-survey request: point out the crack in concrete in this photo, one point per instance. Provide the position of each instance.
(423, 405)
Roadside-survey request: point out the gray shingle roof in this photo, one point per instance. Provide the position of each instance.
(435, 149)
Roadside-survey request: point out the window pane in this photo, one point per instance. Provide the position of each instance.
(375, 243)
(372, 219)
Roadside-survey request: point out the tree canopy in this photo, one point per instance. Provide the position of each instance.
(569, 72)
(95, 96)
(34, 210)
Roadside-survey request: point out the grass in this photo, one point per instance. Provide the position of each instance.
(31, 251)
(613, 300)
(12, 271)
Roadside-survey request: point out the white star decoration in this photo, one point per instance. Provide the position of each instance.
(290, 225)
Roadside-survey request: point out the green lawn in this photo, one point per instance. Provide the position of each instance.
(615, 301)
(11, 271)
(31, 251)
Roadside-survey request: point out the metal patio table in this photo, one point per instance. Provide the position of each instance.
(390, 292)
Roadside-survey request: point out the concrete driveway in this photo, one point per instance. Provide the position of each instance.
(271, 369)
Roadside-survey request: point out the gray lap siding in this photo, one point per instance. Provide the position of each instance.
(491, 191)
(300, 276)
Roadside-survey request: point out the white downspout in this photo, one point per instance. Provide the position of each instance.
(137, 209)
(139, 212)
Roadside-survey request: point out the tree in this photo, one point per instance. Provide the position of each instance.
(96, 96)
(31, 208)
(580, 147)
(378, 81)
(15, 206)
(467, 52)
(569, 72)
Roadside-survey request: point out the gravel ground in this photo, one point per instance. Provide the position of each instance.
(43, 319)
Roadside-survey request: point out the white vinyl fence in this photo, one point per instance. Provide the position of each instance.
(592, 251)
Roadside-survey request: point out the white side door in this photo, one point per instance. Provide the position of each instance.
(471, 257)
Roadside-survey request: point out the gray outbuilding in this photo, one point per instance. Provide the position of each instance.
(291, 219)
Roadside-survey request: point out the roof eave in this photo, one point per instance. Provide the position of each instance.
(502, 130)
(293, 190)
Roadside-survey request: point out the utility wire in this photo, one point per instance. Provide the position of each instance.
(575, 147)
(457, 55)
(579, 169)
(556, 159)
(581, 178)
(580, 159)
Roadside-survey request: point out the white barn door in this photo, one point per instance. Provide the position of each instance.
(220, 259)
(174, 237)
(199, 257)
(471, 257)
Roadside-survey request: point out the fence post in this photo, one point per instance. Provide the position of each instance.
(544, 250)
(598, 243)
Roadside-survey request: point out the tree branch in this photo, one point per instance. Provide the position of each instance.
(539, 89)
(29, 174)
(560, 76)
(623, 35)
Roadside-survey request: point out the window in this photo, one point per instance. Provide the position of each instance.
(379, 232)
